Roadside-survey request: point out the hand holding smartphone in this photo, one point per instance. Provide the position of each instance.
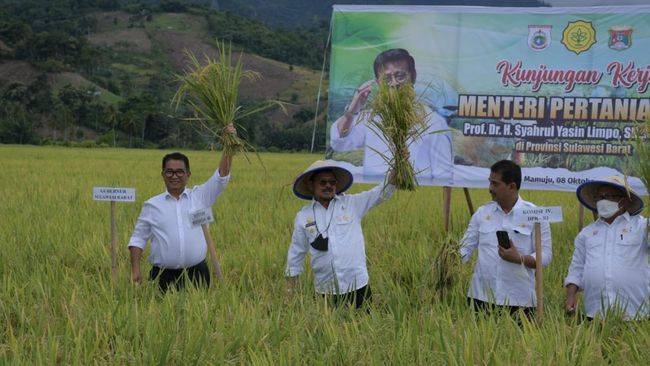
(504, 239)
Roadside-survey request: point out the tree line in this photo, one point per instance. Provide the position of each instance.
(52, 39)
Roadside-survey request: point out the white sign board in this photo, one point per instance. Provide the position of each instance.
(539, 214)
(114, 194)
(202, 216)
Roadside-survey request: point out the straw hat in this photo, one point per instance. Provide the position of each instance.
(587, 193)
(301, 184)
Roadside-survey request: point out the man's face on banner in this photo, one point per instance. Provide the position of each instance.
(395, 73)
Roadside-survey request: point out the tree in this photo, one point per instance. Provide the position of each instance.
(64, 119)
(16, 125)
(14, 31)
(40, 95)
(131, 124)
(112, 117)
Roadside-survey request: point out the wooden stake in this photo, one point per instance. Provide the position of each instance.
(113, 241)
(539, 279)
(216, 267)
(446, 208)
(468, 198)
(581, 217)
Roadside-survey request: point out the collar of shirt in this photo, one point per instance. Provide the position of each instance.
(314, 202)
(184, 193)
(625, 216)
(518, 204)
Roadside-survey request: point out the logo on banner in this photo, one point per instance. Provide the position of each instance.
(579, 36)
(620, 38)
(539, 37)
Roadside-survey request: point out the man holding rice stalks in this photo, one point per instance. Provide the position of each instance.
(610, 256)
(178, 248)
(504, 275)
(329, 229)
(431, 153)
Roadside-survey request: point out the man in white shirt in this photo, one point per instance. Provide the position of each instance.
(610, 256)
(329, 229)
(431, 154)
(178, 248)
(504, 278)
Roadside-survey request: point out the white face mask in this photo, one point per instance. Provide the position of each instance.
(606, 208)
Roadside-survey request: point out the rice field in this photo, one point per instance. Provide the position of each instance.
(59, 304)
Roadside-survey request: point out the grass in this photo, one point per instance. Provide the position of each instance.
(177, 22)
(139, 70)
(58, 304)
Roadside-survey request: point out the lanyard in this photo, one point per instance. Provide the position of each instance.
(316, 221)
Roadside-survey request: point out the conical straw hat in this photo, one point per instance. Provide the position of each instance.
(301, 184)
(588, 191)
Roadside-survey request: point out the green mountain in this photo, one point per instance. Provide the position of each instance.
(108, 76)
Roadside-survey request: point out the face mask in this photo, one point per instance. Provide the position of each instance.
(606, 208)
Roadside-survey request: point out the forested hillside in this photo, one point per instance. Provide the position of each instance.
(105, 73)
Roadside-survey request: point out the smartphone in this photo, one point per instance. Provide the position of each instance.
(504, 239)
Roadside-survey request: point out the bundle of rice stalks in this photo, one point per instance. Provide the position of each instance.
(446, 267)
(211, 90)
(399, 119)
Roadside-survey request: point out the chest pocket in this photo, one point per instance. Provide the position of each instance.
(487, 234)
(627, 245)
(522, 237)
(310, 231)
(343, 218)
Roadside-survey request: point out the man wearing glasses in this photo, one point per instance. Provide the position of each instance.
(178, 248)
(431, 155)
(610, 256)
(329, 229)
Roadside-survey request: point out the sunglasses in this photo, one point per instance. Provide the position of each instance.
(609, 197)
(325, 182)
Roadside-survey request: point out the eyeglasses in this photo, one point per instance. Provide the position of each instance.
(398, 77)
(609, 197)
(324, 182)
(170, 173)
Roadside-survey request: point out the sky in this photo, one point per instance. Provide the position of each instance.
(595, 2)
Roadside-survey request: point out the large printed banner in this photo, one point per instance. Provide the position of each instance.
(558, 90)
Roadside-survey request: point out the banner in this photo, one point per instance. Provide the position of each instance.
(558, 90)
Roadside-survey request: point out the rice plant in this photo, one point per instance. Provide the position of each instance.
(399, 120)
(59, 305)
(211, 89)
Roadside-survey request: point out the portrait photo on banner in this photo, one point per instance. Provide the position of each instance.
(563, 93)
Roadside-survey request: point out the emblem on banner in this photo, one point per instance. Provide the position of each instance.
(620, 38)
(579, 36)
(539, 37)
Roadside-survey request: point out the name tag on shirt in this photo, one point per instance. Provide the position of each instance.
(202, 216)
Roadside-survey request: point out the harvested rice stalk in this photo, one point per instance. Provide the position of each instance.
(211, 89)
(446, 267)
(398, 119)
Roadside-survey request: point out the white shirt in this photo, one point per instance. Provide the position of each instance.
(164, 220)
(610, 264)
(496, 280)
(342, 268)
(431, 155)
